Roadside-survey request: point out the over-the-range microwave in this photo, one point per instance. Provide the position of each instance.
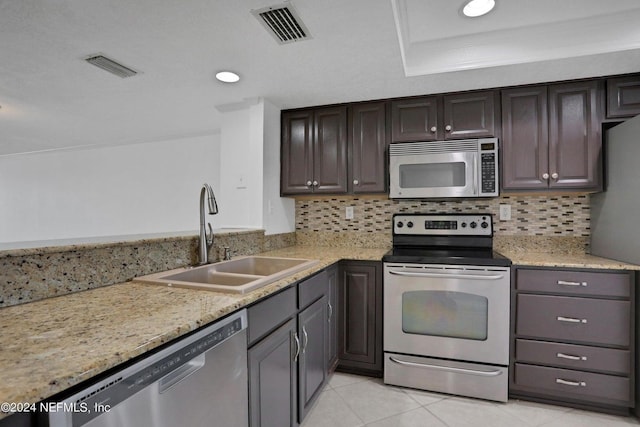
(444, 169)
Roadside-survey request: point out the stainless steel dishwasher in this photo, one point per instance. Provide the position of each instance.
(198, 381)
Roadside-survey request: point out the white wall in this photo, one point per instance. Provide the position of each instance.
(89, 195)
(110, 191)
(278, 212)
(250, 171)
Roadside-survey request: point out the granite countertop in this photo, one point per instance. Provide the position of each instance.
(568, 260)
(50, 345)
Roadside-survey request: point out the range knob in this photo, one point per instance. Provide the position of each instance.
(399, 224)
(464, 225)
(484, 224)
(473, 224)
(410, 224)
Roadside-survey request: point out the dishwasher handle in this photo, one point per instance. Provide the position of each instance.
(184, 371)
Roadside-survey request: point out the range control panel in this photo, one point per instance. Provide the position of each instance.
(443, 224)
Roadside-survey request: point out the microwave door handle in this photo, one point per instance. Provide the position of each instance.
(475, 178)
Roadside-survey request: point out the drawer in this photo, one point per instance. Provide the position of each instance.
(573, 356)
(311, 289)
(574, 282)
(570, 384)
(270, 313)
(588, 320)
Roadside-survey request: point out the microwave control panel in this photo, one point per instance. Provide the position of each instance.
(488, 168)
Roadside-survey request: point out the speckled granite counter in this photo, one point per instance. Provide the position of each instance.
(50, 345)
(569, 260)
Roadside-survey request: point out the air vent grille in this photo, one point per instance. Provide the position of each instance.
(111, 66)
(436, 147)
(283, 23)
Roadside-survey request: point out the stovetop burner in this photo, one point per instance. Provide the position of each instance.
(457, 256)
(459, 239)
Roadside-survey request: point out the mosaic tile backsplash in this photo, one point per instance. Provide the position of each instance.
(558, 216)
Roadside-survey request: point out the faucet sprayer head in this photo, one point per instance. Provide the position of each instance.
(211, 199)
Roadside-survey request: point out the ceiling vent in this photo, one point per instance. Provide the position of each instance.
(283, 23)
(111, 66)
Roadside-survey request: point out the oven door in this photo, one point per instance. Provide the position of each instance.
(433, 175)
(453, 312)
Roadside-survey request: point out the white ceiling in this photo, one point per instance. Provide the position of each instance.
(360, 50)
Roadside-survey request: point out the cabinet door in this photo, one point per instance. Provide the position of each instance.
(312, 363)
(368, 144)
(272, 379)
(575, 142)
(525, 138)
(360, 317)
(332, 306)
(330, 150)
(623, 97)
(470, 115)
(296, 173)
(415, 120)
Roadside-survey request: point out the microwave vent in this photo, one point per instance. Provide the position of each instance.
(283, 23)
(432, 147)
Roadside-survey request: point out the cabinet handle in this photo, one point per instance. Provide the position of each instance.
(306, 339)
(433, 129)
(545, 176)
(315, 183)
(330, 312)
(555, 175)
(309, 183)
(570, 319)
(564, 283)
(571, 383)
(570, 356)
(356, 182)
(295, 337)
(448, 128)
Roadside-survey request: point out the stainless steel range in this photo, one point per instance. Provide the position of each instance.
(446, 306)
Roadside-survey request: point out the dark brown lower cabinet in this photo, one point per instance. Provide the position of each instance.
(288, 352)
(574, 337)
(312, 360)
(272, 379)
(360, 317)
(332, 315)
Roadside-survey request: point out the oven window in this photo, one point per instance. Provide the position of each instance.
(432, 175)
(445, 314)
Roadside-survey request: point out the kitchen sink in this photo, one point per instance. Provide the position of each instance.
(239, 275)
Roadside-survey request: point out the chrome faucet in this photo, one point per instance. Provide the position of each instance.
(206, 239)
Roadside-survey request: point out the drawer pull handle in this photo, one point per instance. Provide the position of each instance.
(571, 383)
(570, 357)
(570, 319)
(565, 283)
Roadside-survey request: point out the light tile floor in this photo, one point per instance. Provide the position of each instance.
(353, 401)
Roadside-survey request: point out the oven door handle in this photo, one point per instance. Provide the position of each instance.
(447, 275)
(447, 368)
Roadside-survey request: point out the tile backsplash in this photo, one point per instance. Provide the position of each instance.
(553, 216)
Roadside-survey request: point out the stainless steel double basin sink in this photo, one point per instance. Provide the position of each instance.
(238, 276)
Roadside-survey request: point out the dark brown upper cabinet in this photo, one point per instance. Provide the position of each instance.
(367, 144)
(623, 97)
(454, 116)
(314, 151)
(551, 137)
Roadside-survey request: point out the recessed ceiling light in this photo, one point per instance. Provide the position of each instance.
(475, 8)
(227, 76)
